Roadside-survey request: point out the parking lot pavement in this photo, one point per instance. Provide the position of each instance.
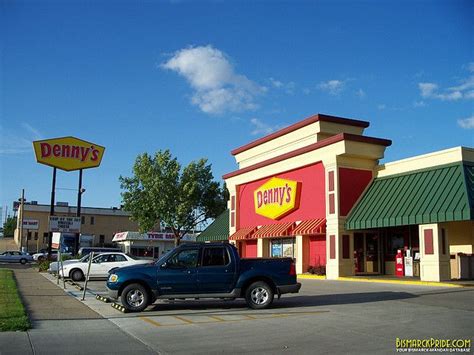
(325, 317)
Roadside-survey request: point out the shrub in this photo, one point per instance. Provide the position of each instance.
(317, 270)
(44, 265)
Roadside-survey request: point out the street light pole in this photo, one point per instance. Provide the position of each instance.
(51, 211)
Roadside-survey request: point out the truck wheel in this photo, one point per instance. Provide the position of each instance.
(135, 298)
(77, 275)
(259, 295)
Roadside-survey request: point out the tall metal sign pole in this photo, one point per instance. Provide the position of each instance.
(69, 154)
(51, 210)
(20, 217)
(78, 212)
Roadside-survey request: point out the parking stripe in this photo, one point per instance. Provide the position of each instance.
(151, 321)
(184, 319)
(217, 318)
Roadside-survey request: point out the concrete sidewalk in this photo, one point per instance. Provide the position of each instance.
(61, 324)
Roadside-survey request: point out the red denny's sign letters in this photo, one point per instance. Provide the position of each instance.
(277, 198)
(68, 153)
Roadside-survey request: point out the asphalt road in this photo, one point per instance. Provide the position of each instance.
(325, 317)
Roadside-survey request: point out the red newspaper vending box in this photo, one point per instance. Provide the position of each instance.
(399, 264)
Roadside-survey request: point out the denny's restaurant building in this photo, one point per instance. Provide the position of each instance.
(296, 190)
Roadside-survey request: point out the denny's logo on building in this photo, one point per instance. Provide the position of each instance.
(68, 153)
(277, 197)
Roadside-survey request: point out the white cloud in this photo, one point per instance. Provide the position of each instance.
(419, 104)
(14, 143)
(217, 87)
(466, 123)
(260, 127)
(361, 93)
(470, 67)
(289, 87)
(332, 87)
(381, 106)
(464, 90)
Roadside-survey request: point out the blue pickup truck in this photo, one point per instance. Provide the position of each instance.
(203, 270)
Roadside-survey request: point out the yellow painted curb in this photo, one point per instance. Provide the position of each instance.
(400, 282)
(309, 276)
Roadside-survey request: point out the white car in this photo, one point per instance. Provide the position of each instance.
(100, 266)
(15, 257)
(53, 267)
(43, 256)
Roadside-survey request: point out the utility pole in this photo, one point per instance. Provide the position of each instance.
(20, 219)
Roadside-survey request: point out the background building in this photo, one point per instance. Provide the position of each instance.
(98, 225)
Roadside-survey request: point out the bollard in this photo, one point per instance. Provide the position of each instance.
(87, 276)
(62, 271)
(58, 256)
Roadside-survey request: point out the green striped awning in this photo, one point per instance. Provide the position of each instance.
(217, 230)
(440, 194)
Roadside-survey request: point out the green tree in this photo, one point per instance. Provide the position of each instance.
(9, 227)
(161, 191)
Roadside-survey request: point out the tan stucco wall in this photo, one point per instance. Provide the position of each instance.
(461, 236)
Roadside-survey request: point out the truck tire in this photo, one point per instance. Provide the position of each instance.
(259, 295)
(77, 275)
(135, 298)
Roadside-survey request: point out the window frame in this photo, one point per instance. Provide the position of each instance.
(215, 247)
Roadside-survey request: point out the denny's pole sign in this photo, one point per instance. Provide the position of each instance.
(277, 198)
(68, 153)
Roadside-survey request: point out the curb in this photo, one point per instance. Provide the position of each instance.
(387, 281)
(309, 276)
(102, 298)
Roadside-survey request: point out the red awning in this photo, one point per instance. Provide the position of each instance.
(275, 230)
(243, 233)
(311, 226)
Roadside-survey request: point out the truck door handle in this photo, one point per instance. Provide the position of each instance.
(188, 271)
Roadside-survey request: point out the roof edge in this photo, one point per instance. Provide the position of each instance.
(305, 122)
(325, 142)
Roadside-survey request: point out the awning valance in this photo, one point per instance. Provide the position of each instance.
(275, 230)
(243, 233)
(311, 226)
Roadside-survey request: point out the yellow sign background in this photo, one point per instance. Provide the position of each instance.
(276, 198)
(68, 153)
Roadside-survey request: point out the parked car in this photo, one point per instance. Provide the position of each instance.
(53, 267)
(43, 255)
(15, 257)
(100, 266)
(207, 270)
(86, 250)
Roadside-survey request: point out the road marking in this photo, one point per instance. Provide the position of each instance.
(151, 321)
(184, 319)
(219, 319)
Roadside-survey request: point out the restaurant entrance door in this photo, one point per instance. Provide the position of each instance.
(367, 253)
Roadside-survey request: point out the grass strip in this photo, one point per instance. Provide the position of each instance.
(12, 312)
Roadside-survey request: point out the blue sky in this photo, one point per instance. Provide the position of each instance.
(202, 78)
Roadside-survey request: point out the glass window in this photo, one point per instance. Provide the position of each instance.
(282, 248)
(116, 258)
(102, 259)
(215, 257)
(184, 259)
(83, 220)
(92, 220)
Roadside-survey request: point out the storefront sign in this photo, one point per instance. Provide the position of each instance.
(65, 224)
(68, 153)
(276, 198)
(150, 236)
(30, 224)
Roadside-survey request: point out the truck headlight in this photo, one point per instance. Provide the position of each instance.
(113, 278)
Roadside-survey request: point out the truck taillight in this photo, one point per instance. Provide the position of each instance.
(292, 269)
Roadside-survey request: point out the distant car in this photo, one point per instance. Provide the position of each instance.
(43, 255)
(101, 265)
(86, 250)
(15, 257)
